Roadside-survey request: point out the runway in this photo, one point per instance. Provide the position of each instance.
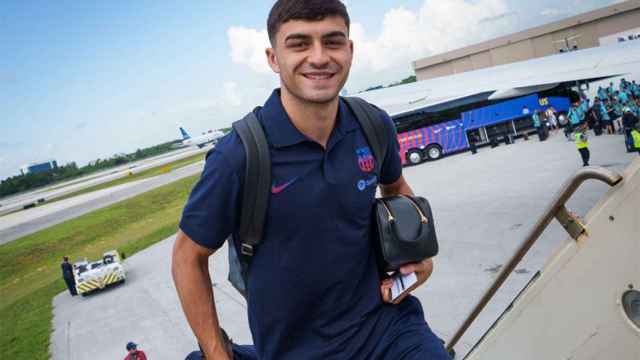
(483, 206)
(16, 225)
(17, 202)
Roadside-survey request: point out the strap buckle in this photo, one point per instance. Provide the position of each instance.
(246, 249)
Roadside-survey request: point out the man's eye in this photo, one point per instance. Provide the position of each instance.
(296, 44)
(334, 43)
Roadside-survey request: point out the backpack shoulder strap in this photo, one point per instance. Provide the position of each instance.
(257, 182)
(374, 129)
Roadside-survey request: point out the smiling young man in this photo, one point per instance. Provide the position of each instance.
(314, 289)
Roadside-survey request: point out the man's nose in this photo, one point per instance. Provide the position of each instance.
(318, 56)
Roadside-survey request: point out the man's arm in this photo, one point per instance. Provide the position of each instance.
(400, 187)
(190, 269)
(422, 269)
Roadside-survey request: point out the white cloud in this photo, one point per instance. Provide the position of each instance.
(232, 96)
(498, 17)
(438, 26)
(248, 48)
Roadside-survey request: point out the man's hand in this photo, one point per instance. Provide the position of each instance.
(423, 271)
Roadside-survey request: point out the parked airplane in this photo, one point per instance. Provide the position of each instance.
(211, 136)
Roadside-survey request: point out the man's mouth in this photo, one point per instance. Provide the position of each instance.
(318, 75)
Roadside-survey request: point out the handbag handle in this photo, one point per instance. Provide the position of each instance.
(391, 218)
(423, 219)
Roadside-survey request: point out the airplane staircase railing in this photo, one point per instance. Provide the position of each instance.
(570, 222)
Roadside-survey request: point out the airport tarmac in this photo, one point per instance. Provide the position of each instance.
(16, 225)
(483, 206)
(17, 202)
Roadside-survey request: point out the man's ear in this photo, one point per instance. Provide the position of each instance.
(272, 59)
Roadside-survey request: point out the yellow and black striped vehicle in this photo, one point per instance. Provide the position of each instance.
(91, 276)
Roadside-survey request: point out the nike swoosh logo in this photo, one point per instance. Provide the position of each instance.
(278, 189)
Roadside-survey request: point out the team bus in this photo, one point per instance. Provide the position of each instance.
(434, 133)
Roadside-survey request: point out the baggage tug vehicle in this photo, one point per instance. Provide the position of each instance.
(91, 276)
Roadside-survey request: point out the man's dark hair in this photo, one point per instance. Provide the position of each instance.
(574, 97)
(310, 10)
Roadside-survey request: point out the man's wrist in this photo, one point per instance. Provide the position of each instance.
(217, 351)
(220, 347)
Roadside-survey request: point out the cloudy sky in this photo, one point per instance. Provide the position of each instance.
(80, 80)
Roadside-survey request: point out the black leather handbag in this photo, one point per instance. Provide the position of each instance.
(405, 231)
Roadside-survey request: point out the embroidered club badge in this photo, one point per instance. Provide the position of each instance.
(366, 162)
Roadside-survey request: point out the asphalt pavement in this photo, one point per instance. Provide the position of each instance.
(483, 206)
(17, 225)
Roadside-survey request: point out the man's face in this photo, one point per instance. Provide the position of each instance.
(313, 58)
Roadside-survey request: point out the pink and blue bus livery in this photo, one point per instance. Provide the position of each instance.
(432, 142)
(484, 123)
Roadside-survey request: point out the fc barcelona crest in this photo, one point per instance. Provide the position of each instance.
(366, 162)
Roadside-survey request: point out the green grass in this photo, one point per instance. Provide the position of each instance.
(30, 273)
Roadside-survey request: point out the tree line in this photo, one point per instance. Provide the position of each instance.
(21, 183)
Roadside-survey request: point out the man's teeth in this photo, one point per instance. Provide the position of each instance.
(318, 76)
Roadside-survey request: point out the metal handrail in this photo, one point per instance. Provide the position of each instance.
(557, 210)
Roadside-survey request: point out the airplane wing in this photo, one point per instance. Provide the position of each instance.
(509, 80)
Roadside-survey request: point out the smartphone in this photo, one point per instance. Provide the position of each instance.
(402, 284)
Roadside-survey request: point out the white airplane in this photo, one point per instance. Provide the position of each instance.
(211, 136)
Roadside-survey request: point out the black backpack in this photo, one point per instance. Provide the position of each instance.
(257, 183)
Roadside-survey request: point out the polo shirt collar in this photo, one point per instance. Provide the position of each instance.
(281, 131)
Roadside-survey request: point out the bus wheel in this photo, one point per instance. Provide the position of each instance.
(434, 152)
(414, 156)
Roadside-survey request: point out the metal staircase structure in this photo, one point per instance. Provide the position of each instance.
(585, 302)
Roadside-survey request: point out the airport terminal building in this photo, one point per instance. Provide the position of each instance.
(37, 168)
(603, 26)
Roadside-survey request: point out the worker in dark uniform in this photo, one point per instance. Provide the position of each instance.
(67, 275)
(473, 140)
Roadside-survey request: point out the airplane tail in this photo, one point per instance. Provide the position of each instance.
(185, 135)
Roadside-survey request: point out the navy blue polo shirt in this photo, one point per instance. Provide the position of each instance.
(313, 285)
